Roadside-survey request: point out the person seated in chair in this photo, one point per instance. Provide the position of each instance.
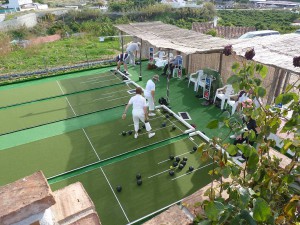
(174, 62)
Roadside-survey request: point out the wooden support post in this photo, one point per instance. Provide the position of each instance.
(279, 83)
(273, 85)
(140, 77)
(122, 41)
(187, 64)
(286, 81)
(220, 63)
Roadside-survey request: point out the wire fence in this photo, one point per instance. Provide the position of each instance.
(47, 71)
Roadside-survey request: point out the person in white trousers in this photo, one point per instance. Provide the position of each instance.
(150, 94)
(139, 112)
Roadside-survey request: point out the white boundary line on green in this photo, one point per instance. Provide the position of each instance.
(174, 157)
(82, 128)
(157, 174)
(66, 97)
(115, 194)
(192, 171)
(168, 206)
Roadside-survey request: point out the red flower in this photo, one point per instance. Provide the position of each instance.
(296, 61)
(227, 50)
(250, 54)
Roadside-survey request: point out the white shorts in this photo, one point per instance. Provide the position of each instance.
(150, 102)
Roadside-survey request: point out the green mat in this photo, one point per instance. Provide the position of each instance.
(56, 109)
(17, 94)
(72, 150)
(158, 188)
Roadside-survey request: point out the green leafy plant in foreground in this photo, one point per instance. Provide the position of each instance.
(257, 192)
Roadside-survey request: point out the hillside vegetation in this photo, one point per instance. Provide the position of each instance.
(93, 23)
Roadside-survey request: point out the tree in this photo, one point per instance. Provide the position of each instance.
(259, 191)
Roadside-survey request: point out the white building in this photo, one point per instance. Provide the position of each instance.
(174, 3)
(23, 5)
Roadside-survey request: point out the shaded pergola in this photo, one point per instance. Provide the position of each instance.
(273, 51)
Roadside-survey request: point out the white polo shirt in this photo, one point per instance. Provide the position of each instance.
(132, 47)
(150, 86)
(138, 103)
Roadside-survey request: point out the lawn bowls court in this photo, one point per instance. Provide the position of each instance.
(70, 127)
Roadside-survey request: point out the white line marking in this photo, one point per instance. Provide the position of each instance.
(115, 195)
(158, 174)
(98, 99)
(123, 90)
(91, 79)
(174, 157)
(153, 213)
(66, 98)
(102, 81)
(82, 128)
(191, 171)
(117, 98)
(91, 144)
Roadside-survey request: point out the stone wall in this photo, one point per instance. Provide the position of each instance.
(28, 20)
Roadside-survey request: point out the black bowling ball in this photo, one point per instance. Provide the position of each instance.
(171, 173)
(139, 182)
(191, 168)
(119, 188)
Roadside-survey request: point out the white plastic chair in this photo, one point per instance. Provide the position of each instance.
(224, 95)
(201, 80)
(177, 68)
(160, 60)
(198, 78)
(194, 79)
(233, 105)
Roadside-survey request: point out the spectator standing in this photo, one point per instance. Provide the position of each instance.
(139, 112)
(150, 94)
(132, 50)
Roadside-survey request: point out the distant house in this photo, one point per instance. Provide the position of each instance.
(174, 3)
(24, 5)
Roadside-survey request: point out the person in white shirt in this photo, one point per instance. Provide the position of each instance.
(150, 93)
(139, 112)
(132, 50)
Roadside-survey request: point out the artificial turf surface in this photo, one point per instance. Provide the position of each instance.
(158, 189)
(61, 146)
(60, 108)
(72, 150)
(22, 93)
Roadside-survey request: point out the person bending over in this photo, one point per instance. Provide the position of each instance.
(139, 112)
(150, 93)
(122, 58)
(132, 50)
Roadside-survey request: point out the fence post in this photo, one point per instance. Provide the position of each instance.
(87, 58)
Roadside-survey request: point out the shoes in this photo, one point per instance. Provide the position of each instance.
(232, 136)
(151, 135)
(151, 114)
(136, 135)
